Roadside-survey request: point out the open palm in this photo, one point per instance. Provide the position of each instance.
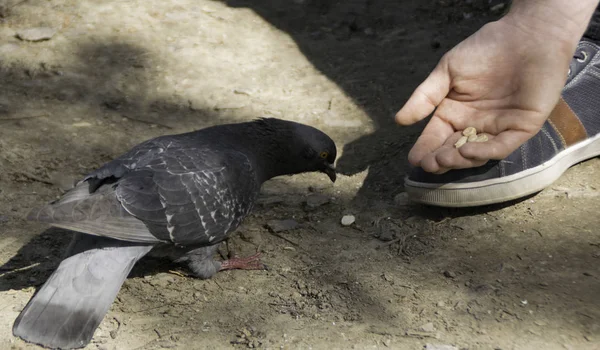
(501, 80)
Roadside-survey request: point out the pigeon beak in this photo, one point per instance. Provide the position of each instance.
(330, 171)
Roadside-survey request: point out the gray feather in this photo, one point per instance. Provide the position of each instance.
(99, 213)
(68, 308)
(126, 229)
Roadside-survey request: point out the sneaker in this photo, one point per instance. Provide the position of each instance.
(570, 135)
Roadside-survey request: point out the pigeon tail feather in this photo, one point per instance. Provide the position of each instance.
(68, 308)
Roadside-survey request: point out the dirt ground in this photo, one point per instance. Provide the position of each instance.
(524, 275)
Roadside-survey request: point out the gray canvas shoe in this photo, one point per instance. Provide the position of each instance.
(570, 135)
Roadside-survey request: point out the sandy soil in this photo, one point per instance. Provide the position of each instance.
(519, 276)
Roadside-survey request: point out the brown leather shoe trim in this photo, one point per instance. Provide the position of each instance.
(566, 124)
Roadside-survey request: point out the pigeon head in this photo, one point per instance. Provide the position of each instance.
(300, 148)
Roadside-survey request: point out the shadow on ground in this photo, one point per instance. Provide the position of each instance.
(363, 47)
(377, 51)
(110, 83)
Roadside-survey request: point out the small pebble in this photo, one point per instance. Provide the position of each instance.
(428, 327)
(348, 220)
(449, 274)
(36, 34)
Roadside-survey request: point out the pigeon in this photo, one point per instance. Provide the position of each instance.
(188, 191)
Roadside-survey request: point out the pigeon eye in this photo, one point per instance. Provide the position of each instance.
(323, 155)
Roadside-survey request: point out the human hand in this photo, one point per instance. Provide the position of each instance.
(503, 80)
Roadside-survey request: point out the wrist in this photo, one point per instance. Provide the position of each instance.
(560, 22)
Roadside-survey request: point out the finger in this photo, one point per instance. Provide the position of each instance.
(430, 164)
(428, 95)
(449, 157)
(433, 137)
(498, 147)
(512, 129)
(450, 115)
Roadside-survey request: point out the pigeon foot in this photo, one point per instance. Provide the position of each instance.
(248, 263)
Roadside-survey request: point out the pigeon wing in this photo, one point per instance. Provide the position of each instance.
(189, 195)
(98, 213)
(135, 158)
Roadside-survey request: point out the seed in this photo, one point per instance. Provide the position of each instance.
(469, 131)
(471, 138)
(481, 138)
(461, 142)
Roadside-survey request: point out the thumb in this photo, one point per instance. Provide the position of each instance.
(427, 96)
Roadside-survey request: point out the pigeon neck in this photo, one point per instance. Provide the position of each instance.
(276, 153)
(273, 147)
(274, 159)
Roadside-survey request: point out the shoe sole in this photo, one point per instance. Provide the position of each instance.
(503, 189)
